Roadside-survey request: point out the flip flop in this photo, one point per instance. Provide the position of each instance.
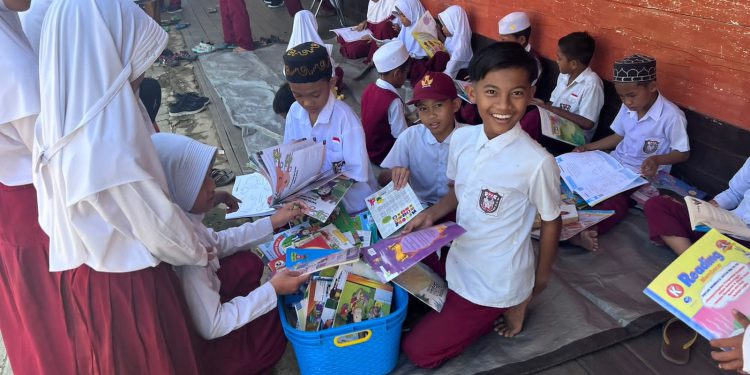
(677, 338)
(181, 26)
(222, 177)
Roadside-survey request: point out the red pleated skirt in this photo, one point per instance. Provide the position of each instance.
(32, 319)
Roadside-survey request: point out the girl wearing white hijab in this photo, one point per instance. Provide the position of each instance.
(102, 193)
(305, 29)
(408, 12)
(230, 308)
(32, 316)
(458, 39)
(379, 23)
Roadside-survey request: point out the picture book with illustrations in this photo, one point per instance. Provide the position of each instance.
(705, 283)
(570, 197)
(561, 129)
(316, 294)
(705, 214)
(322, 198)
(586, 219)
(665, 184)
(425, 32)
(296, 256)
(391, 209)
(392, 256)
(362, 299)
(596, 175)
(253, 191)
(462, 90)
(422, 282)
(336, 259)
(288, 238)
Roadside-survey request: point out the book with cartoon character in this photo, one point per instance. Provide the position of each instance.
(322, 198)
(391, 209)
(362, 299)
(705, 283)
(665, 184)
(422, 282)
(425, 32)
(392, 256)
(561, 129)
(288, 238)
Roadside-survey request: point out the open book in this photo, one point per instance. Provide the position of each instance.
(425, 32)
(596, 175)
(391, 209)
(561, 129)
(704, 284)
(585, 219)
(348, 34)
(461, 89)
(289, 167)
(705, 214)
(423, 283)
(665, 184)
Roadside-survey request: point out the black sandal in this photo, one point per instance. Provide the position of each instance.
(222, 177)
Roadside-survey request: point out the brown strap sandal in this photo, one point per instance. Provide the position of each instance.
(677, 338)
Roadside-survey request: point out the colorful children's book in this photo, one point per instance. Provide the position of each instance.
(561, 129)
(665, 184)
(296, 256)
(362, 299)
(336, 259)
(323, 197)
(336, 238)
(391, 209)
(286, 239)
(423, 283)
(704, 284)
(425, 32)
(253, 190)
(461, 89)
(316, 296)
(586, 219)
(570, 197)
(568, 213)
(705, 214)
(392, 256)
(596, 175)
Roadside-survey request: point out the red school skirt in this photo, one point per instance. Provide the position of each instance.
(32, 318)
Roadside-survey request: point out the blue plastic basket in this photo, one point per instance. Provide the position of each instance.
(377, 352)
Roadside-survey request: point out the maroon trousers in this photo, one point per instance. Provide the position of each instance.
(366, 48)
(256, 347)
(235, 23)
(32, 317)
(620, 203)
(419, 67)
(667, 217)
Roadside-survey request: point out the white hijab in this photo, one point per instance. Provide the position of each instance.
(413, 10)
(93, 132)
(459, 45)
(19, 91)
(305, 29)
(379, 10)
(32, 19)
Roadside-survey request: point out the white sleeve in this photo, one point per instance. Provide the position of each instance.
(396, 117)
(452, 68)
(212, 318)
(399, 154)
(592, 101)
(451, 170)
(241, 238)
(545, 189)
(617, 122)
(678, 138)
(739, 184)
(357, 163)
(142, 210)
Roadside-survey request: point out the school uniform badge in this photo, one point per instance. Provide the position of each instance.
(650, 146)
(489, 201)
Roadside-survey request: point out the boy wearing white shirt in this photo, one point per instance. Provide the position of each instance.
(318, 115)
(502, 179)
(579, 94)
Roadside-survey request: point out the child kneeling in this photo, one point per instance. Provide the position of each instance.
(230, 308)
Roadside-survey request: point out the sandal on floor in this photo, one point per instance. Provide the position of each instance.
(222, 177)
(677, 338)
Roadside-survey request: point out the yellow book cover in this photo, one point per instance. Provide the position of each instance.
(704, 284)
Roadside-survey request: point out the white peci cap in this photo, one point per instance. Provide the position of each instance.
(513, 23)
(390, 56)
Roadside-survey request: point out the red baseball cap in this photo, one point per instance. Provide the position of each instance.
(434, 86)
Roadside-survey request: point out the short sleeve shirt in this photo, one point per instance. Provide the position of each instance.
(660, 131)
(584, 96)
(500, 184)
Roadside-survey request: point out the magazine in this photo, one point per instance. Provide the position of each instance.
(425, 32)
(665, 184)
(391, 209)
(336, 259)
(322, 198)
(586, 219)
(423, 283)
(596, 175)
(289, 167)
(295, 256)
(561, 129)
(704, 213)
(348, 34)
(704, 284)
(362, 299)
(392, 256)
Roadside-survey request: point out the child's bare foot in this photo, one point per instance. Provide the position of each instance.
(239, 49)
(511, 323)
(588, 239)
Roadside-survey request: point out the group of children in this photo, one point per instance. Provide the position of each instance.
(121, 204)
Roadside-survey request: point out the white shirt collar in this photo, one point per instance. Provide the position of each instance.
(528, 47)
(383, 84)
(501, 140)
(325, 113)
(431, 140)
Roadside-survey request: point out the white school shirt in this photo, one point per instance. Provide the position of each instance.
(396, 117)
(427, 160)
(342, 131)
(500, 185)
(737, 197)
(584, 97)
(662, 129)
(201, 285)
(16, 141)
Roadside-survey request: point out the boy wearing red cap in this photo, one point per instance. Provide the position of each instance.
(420, 154)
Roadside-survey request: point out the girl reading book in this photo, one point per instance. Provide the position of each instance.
(379, 23)
(407, 13)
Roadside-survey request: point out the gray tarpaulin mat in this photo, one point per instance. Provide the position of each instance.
(593, 301)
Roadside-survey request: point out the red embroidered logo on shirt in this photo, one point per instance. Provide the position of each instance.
(489, 201)
(573, 94)
(335, 139)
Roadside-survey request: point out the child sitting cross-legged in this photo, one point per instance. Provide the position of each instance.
(650, 135)
(501, 179)
(231, 310)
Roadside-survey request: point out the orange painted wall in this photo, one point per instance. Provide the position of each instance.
(702, 47)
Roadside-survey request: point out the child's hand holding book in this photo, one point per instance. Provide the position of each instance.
(288, 212)
(287, 282)
(730, 350)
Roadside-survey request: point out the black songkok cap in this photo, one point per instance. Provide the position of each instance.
(636, 68)
(307, 63)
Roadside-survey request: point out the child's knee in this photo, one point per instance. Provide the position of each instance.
(416, 350)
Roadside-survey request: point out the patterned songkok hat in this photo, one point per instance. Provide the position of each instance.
(636, 68)
(307, 63)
